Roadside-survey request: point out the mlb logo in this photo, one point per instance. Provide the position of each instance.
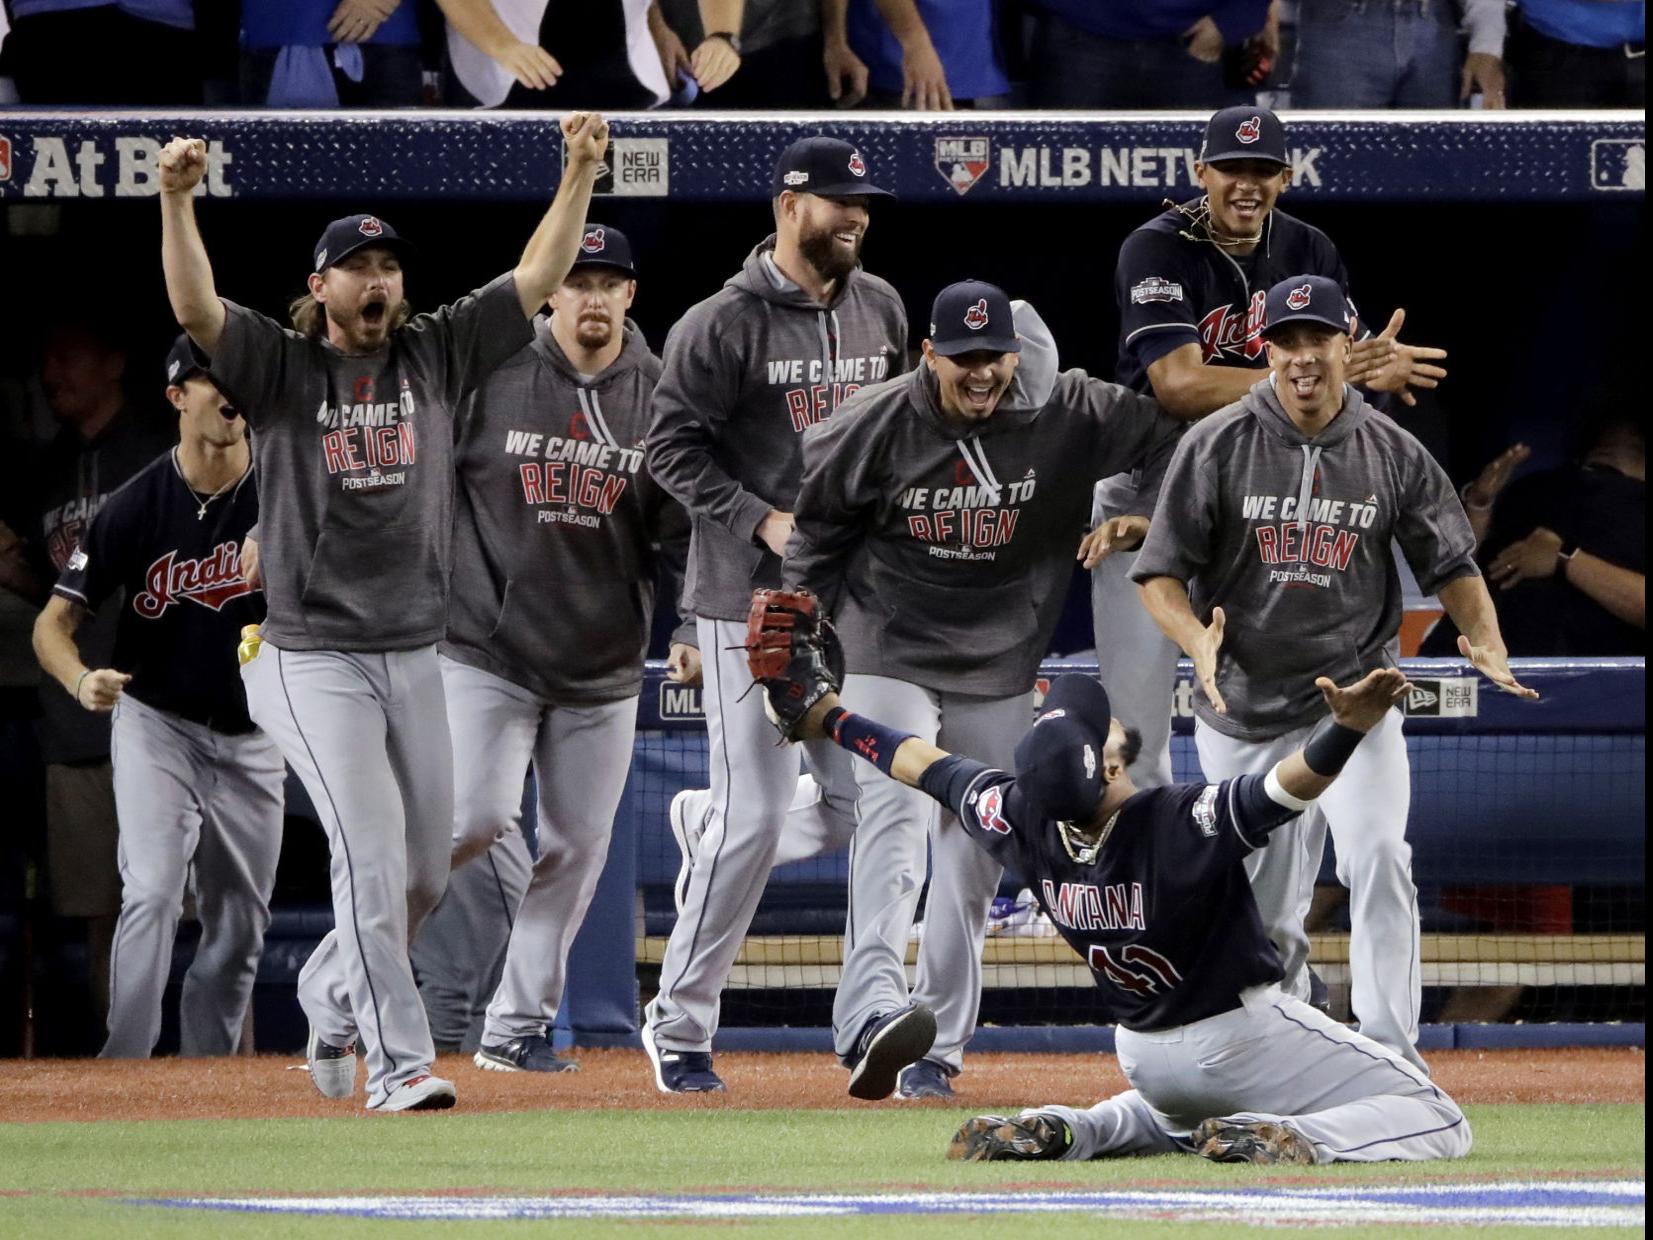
(5, 158)
(1616, 164)
(962, 161)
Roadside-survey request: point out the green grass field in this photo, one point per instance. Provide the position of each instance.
(63, 1181)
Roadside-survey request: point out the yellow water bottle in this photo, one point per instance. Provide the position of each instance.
(251, 640)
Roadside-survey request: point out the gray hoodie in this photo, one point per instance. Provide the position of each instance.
(1290, 536)
(942, 547)
(556, 521)
(747, 371)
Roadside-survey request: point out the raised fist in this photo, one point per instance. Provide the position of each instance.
(183, 163)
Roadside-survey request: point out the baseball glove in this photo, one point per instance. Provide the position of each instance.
(793, 652)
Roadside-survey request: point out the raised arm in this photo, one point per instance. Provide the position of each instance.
(900, 756)
(551, 251)
(189, 285)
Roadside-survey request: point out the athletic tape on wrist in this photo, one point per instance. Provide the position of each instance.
(872, 740)
(1330, 746)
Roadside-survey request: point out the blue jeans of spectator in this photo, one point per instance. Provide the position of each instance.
(1376, 54)
(1072, 68)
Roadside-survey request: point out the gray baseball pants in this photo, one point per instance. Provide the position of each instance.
(1274, 1059)
(580, 757)
(897, 826)
(367, 734)
(190, 799)
(1365, 810)
(753, 782)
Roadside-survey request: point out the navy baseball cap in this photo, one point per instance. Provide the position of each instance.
(1059, 762)
(350, 234)
(970, 315)
(603, 246)
(827, 167)
(181, 362)
(1306, 299)
(1245, 133)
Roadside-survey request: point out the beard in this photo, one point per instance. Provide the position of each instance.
(824, 253)
(593, 333)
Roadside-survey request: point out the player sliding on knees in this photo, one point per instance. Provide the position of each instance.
(1149, 887)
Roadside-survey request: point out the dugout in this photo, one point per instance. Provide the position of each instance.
(1509, 238)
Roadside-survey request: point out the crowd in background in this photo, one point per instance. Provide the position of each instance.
(924, 55)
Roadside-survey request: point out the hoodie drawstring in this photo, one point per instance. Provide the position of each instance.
(1305, 486)
(829, 355)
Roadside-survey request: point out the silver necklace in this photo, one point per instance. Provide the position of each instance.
(201, 512)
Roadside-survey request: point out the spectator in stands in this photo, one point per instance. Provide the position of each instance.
(127, 52)
(1193, 54)
(1579, 54)
(331, 53)
(609, 54)
(780, 48)
(1565, 550)
(927, 55)
(1398, 54)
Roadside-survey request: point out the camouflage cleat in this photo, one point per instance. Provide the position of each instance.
(1002, 1138)
(1239, 1141)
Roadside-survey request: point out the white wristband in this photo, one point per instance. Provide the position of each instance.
(1278, 794)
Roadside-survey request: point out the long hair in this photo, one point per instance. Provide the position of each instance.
(309, 316)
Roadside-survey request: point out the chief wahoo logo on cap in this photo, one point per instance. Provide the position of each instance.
(975, 318)
(370, 226)
(1249, 131)
(593, 242)
(1298, 297)
(855, 164)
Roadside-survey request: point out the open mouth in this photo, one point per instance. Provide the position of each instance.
(373, 314)
(229, 413)
(1305, 386)
(1248, 209)
(850, 239)
(978, 397)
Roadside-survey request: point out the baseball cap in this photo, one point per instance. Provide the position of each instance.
(603, 246)
(1245, 133)
(346, 236)
(1306, 299)
(1059, 762)
(972, 314)
(181, 362)
(828, 167)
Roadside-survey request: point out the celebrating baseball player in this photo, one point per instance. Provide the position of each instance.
(746, 372)
(1190, 286)
(936, 523)
(556, 525)
(353, 413)
(1221, 1062)
(1268, 561)
(197, 786)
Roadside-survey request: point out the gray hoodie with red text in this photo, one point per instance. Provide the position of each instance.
(1290, 536)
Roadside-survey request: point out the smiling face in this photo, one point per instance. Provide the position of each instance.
(1309, 361)
(595, 300)
(828, 231)
(1241, 192)
(360, 295)
(205, 414)
(970, 384)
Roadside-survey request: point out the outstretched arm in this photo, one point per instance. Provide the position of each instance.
(900, 756)
(1466, 600)
(555, 245)
(189, 285)
(1166, 599)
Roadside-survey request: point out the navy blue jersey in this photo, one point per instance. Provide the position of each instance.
(179, 563)
(1174, 290)
(1163, 914)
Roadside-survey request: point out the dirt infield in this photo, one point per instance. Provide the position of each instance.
(264, 1087)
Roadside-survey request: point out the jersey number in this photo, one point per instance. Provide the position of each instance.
(1135, 969)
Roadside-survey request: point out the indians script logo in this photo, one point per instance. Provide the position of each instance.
(1250, 131)
(211, 581)
(594, 242)
(370, 227)
(1298, 297)
(990, 811)
(975, 318)
(1226, 330)
(855, 164)
(962, 161)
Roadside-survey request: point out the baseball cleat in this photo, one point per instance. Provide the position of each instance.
(681, 1072)
(888, 1044)
(1250, 1141)
(687, 828)
(1029, 1137)
(422, 1093)
(924, 1079)
(530, 1054)
(332, 1068)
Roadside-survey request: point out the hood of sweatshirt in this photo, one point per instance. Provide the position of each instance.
(1262, 402)
(924, 392)
(634, 351)
(760, 277)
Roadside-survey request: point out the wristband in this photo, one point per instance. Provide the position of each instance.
(733, 40)
(78, 680)
(1330, 747)
(872, 740)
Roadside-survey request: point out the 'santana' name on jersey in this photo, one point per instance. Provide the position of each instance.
(1085, 906)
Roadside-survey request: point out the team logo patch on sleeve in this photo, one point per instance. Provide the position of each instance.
(77, 562)
(1205, 811)
(975, 318)
(990, 810)
(1155, 288)
(1299, 297)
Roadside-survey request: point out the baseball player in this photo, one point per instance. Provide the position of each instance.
(556, 526)
(1190, 286)
(354, 412)
(1221, 1062)
(746, 372)
(198, 789)
(936, 522)
(1277, 514)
